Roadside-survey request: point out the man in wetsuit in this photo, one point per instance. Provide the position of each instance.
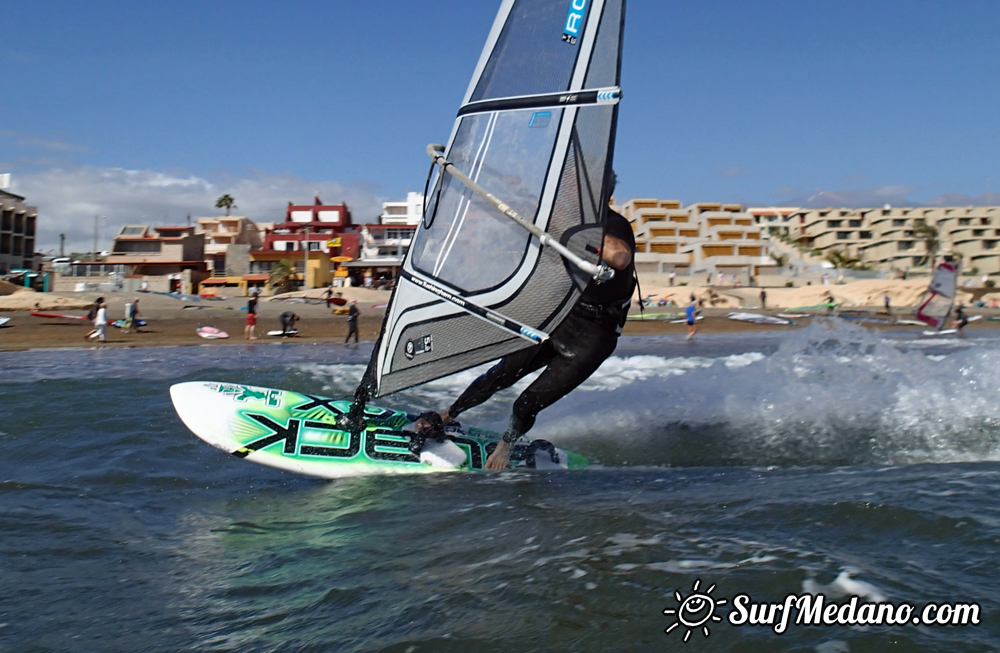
(573, 351)
(352, 322)
(961, 319)
(288, 320)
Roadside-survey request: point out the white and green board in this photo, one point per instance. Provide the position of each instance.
(298, 432)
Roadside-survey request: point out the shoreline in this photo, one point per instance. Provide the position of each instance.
(172, 322)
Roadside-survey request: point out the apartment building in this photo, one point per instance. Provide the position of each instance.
(704, 237)
(889, 238)
(18, 223)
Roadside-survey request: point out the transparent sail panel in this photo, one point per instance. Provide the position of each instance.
(471, 245)
(531, 56)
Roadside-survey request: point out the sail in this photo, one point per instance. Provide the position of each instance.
(535, 134)
(936, 302)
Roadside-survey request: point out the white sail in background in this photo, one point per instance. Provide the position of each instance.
(536, 130)
(936, 303)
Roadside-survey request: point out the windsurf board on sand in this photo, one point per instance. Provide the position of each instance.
(291, 333)
(211, 333)
(758, 318)
(81, 318)
(461, 299)
(4, 320)
(298, 432)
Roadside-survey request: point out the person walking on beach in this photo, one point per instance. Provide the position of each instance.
(248, 330)
(131, 316)
(288, 320)
(673, 275)
(352, 321)
(888, 309)
(92, 316)
(328, 293)
(100, 321)
(574, 350)
(691, 317)
(763, 300)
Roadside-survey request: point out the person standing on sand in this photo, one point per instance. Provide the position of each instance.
(888, 309)
(248, 330)
(691, 318)
(92, 316)
(328, 293)
(352, 321)
(673, 275)
(763, 300)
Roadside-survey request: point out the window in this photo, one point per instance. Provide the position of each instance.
(904, 245)
(964, 221)
(854, 223)
(843, 235)
(864, 234)
(898, 223)
(833, 224)
(989, 244)
(978, 232)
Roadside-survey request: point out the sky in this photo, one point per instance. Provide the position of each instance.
(146, 112)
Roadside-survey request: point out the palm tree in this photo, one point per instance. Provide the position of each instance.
(225, 202)
(281, 275)
(929, 234)
(842, 259)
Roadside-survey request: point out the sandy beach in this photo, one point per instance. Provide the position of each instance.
(173, 322)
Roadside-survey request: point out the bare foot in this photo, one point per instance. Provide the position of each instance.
(500, 458)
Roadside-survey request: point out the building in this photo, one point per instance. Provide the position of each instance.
(310, 236)
(700, 238)
(168, 259)
(889, 239)
(228, 242)
(410, 212)
(18, 224)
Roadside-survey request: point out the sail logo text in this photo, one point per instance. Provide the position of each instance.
(574, 20)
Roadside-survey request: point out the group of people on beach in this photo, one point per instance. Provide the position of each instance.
(288, 319)
(98, 316)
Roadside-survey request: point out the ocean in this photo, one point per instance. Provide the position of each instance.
(848, 477)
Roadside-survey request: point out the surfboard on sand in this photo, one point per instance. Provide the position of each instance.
(211, 333)
(298, 432)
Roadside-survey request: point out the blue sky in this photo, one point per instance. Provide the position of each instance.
(149, 111)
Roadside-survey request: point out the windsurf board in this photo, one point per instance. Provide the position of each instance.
(4, 320)
(298, 432)
(291, 333)
(81, 318)
(211, 333)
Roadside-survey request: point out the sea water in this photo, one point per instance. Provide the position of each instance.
(830, 463)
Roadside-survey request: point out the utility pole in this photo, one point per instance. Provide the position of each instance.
(305, 268)
(93, 254)
(62, 245)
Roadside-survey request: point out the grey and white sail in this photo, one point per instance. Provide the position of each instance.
(535, 132)
(936, 303)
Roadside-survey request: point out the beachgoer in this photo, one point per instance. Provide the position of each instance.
(144, 286)
(251, 327)
(92, 315)
(830, 304)
(573, 352)
(888, 308)
(288, 320)
(328, 293)
(763, 300)
(100, 320)
(961, 319)
(352, 321)
(672, 276)
(131, 315)
(691, 318)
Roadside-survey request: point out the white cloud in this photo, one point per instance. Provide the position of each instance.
(69, 197)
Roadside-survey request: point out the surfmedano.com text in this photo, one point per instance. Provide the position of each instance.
(816, 610)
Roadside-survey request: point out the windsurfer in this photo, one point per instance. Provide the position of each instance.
(961, 319)
(573, 352)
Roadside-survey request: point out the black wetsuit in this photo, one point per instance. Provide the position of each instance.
(352, 323)
(287, 322)
(961, 317)
(573, 352)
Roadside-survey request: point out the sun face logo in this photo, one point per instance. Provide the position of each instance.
(695, 611)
